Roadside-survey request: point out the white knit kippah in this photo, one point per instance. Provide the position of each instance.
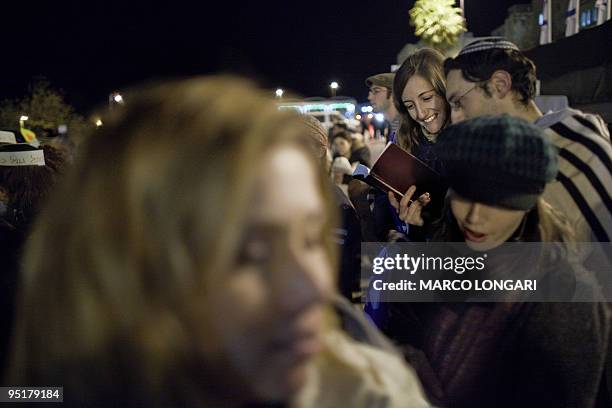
(489, 43)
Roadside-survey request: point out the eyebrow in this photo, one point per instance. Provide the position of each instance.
(424, 92)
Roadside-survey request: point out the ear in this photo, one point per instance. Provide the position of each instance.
(501, 83)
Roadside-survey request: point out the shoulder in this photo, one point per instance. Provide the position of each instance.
(585, 151)
(575, 125)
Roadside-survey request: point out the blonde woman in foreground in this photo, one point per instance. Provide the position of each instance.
(186, 261)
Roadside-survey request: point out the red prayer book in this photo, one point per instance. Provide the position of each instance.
(396, 170)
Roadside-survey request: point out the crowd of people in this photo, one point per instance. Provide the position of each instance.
(222, 267)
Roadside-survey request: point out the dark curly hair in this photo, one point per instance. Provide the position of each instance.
(480, 65)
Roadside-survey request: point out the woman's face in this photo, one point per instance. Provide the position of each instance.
(424, 105)
(342, 146)
(484, 227)
(270, 303)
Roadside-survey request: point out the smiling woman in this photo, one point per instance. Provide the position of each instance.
(419, 93)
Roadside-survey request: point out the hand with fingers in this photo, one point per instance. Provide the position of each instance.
(410, 210)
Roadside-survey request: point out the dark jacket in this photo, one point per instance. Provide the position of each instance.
(348, 237)
(508, 354)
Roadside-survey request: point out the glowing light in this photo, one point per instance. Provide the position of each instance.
(98, 122)
(279, 93)
(366, 109)
(24, 117)
(438, 22)
(118, 98)
(349, 107)
(380, 117)
(318, 108)
(358, 117)
(370, 116)
(334, 85)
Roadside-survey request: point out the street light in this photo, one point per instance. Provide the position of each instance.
(98, 122)
(279, 93)
(334, 86)
(115, 98)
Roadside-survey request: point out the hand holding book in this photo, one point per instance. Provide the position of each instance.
(409, 210)
(396, 170)
(402, 176)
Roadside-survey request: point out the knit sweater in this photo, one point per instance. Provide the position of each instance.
(505, 354)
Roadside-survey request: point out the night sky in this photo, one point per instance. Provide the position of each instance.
(90, 48)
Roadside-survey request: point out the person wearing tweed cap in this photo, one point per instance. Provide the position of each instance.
(380, 96)
(380, 91)
(492, 76)
(500, 161)
(512, 353)
(497, 170)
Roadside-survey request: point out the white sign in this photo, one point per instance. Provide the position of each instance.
(29, 158)
(7, 137)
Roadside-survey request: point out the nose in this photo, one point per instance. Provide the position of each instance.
(302, 283)
(420, 111)
(457, 116)
(473, 216)
(370, 96)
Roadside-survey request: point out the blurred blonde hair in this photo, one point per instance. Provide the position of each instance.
(117, 265)
(317, 133)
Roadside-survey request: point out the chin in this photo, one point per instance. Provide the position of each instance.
(436, 126)
(482, 246)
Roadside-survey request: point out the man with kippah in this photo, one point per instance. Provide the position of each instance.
(380, 97)
(492, 76)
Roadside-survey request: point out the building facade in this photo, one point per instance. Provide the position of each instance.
(522, 26)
